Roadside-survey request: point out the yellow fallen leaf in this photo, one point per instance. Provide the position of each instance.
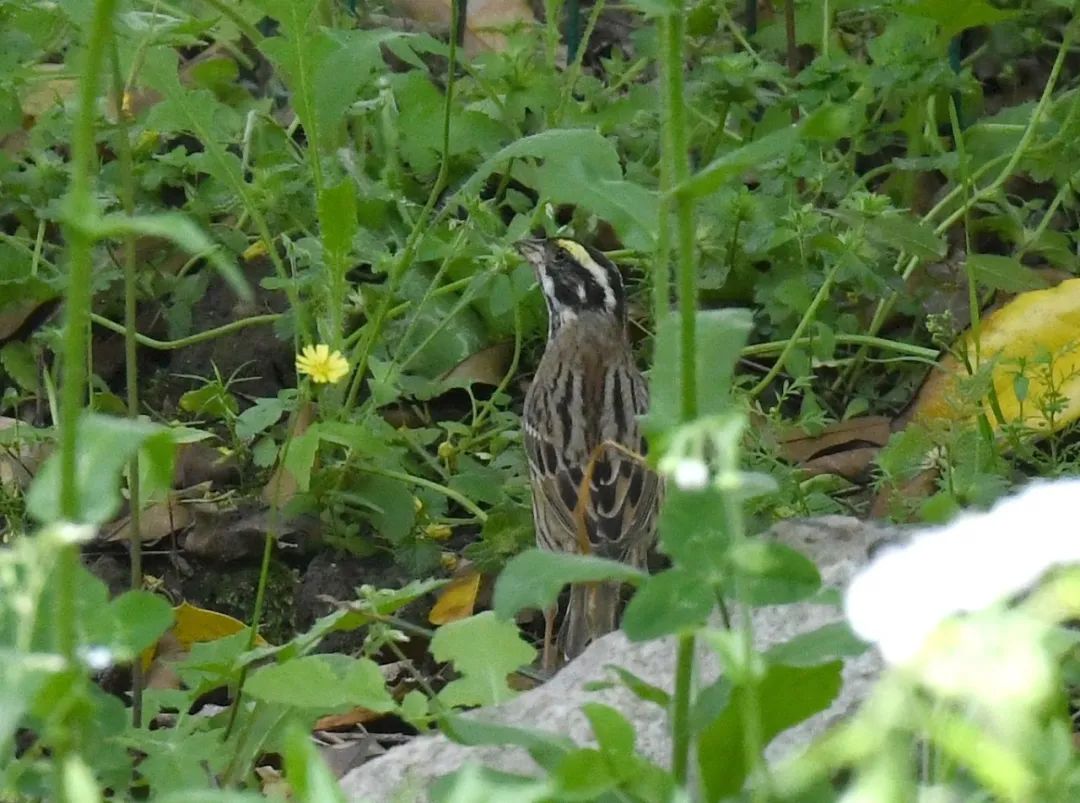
(1032, 344)
(193, 625)
(457, 600)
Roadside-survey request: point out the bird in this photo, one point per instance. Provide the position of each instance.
(592, 491)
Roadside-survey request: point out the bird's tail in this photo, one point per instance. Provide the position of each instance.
(592, 612)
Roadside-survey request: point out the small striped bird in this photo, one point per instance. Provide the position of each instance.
(592, 491)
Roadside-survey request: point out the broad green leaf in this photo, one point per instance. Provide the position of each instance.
(484, 650)
(826, 643)
(721, 334)
(1004, 273)
(175, 228)
(17, 360)
(692, 532)
(391, 502)
(906, 234)
(322, 682)
(785, 697)
(212, 399)
(773, 146)
(105, 444)
(955, 16)
(260, 416)
(473, 783)
(546, 748)
(670, 602)
(586, 143)
(630, 208)
(300, 456)
(585, 774)
(534, 578)
(138, 620)
(614, 732)
(773, 573)
(338, 224)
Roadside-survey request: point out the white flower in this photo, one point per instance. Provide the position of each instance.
(903, 595)
(690, 474)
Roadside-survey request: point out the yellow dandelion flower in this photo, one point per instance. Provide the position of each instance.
(321, 364)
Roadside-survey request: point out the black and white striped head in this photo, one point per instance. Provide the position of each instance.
(575, 279)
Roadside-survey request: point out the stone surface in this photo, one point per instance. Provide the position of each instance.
(838, 545)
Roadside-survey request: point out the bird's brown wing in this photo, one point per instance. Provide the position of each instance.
(621, 495)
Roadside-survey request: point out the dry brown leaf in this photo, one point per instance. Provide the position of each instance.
(12, 318)
(160, 519)
(357, 716)
(799, 447)
(457, 599)
(489, 365)
(485, 20)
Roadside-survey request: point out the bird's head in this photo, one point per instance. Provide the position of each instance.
(575, 280)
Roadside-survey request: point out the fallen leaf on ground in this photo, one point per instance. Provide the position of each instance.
(457, 599)
(1031, 347)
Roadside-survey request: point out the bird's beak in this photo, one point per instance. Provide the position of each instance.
(533, 249)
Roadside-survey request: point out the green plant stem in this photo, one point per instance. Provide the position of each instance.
(796, 337)
(374, 327)
(885, 306)
(778, 346)
(574, 72)
(79, 215)
(127, 198)
(449, 493)
(191, 340)
(677, 155)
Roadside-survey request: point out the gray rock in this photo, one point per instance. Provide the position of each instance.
(838, 545)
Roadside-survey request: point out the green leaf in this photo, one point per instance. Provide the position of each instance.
(614, 732)
(338, 222)
(771, 147)
(176, 228)
(657, 8)
(906, 234)
(584, 775)
(641, 688)
(534, 578)
(105, 444)
(260, 416)
(322, 682)
(692, 531)
(773, 573)
(955, 16)
(785, 697)
(1004, 273)
(17, 359)
(300, 456)
(586, 143)
(484, 650)
(826, 643)
(393, 512)
(670, 602)
(139, 619)
(546, 748)
(631, 209)
(721, 335)
(211, 399)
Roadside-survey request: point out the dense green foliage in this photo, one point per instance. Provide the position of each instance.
(341, 182)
